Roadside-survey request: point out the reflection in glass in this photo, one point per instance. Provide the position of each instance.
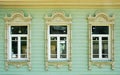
(62, 47)
(53, 47)
(14, 47)
(23, 47)
(100, 30)
(104, 47)
(58, 29)
(95, 47)
(18, 29)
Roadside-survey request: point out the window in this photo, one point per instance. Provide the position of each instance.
(18, 40)
(18, 43)
(58, 44)
(101, 49)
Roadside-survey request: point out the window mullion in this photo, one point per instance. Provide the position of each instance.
(19, 47)
(58, 47)
(100, 47)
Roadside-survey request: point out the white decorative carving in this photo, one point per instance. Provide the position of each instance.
(17, 18)
(58, 17)
(101, 18)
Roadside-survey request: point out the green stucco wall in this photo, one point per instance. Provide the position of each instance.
(79, 43)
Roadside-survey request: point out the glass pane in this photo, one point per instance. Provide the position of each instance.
(100, 30)
(24, 38)
(58, 29)
(95, 47)
(63, 49)
(23, 47)
(14, 47)
(19, 30)
(53, 47)
(53, 38)
(104, 47)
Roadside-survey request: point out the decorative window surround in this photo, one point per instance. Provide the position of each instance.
(101, 20)
(58, 19)
(14, 22)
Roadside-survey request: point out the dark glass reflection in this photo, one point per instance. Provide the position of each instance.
(18, 29)
(14, 47)
(53, 47)
(23, 47)
(100, 30)
(58, 29)
(63, 47)
(95, 47)
(104, 47)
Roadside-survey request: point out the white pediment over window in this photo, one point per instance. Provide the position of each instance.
(17, 17)
(102, 18)
(58, 17)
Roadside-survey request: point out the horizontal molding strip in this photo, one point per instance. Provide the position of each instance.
(37, 4)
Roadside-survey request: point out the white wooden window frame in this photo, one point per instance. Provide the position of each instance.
(19, 43)
(58, 44)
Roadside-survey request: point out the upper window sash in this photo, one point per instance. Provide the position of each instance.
(101, 30)
(19, 29)
(58, 29)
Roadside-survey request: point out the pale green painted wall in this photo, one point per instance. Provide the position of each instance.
(79, 44)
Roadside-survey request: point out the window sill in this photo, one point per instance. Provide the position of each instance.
(18, 60)
(58, 60)
(101, 60)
